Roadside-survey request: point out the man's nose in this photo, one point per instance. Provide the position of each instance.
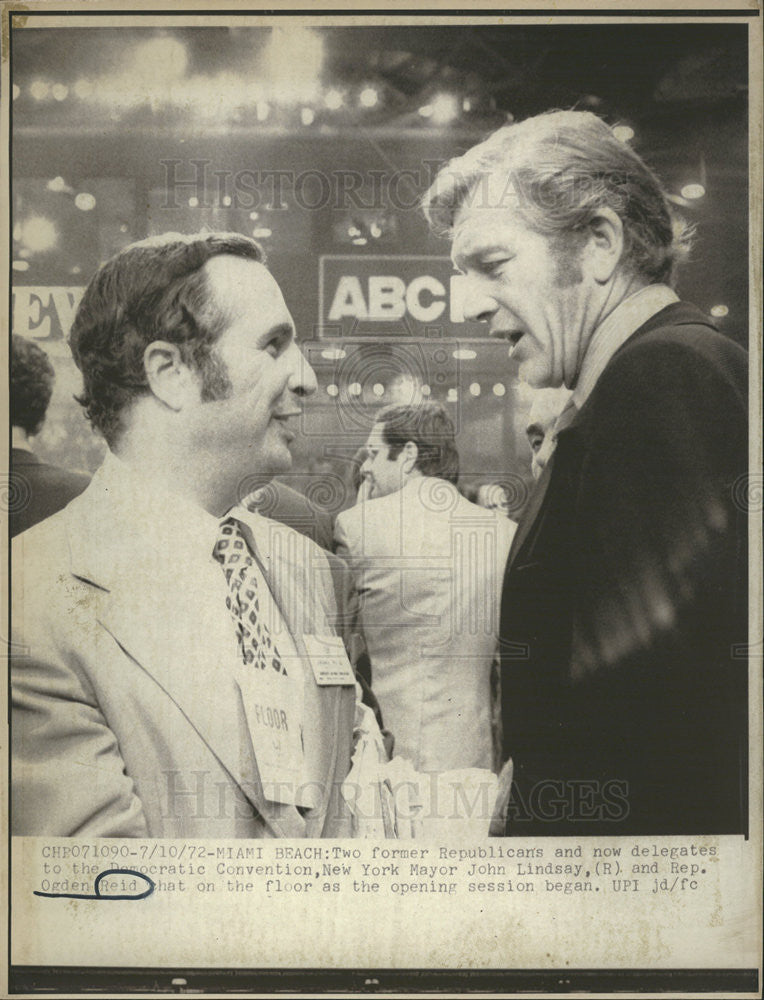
(302, 378)
(477, 305)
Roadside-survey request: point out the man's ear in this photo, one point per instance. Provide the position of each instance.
(169, 377)
(410, 454)
(604, 249)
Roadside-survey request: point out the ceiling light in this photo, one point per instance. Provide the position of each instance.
(85, 202)
(720, 311)
(444, 109)
(693, 191)
(292, 63)
(38, 234)
(332, 390)
(475, 389)
(499, 389)
(333, 100)
(464, 354)
(623, 133)
(161, 59)
(307, 116)
(378, 389)
(39, 90)
(368, 97)
(334, 353)
(60, 92)
(354, 388)
(83, 89)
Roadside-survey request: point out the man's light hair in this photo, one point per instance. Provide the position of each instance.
(559, 169)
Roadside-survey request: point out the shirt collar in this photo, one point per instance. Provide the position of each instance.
(627, 317)
(167, 518)
(19, 440)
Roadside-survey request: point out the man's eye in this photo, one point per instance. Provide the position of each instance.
(535, 443)
(491, 266)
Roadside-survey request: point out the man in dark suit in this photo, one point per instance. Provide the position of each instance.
(625, 593)
(283, 503)
(37, 489)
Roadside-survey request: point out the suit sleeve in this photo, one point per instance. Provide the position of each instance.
(661, 567)
(341, 542)
(68, 776)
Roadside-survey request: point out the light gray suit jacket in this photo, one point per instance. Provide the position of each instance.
(126, 719)
(429, 566)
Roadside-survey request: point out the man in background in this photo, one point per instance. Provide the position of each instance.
(428, 565)
(174, 678)
(625, 597)
(542, 427)
(37, 488)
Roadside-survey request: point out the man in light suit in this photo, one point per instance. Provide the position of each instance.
(168, 681)
(625, 598)
(428, 565)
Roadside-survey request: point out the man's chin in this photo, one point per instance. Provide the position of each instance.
(536, 377)
(277, 463)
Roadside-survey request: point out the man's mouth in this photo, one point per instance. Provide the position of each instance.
(284, 420)
(512, 336)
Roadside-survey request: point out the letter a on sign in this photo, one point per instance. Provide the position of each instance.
(348, 299)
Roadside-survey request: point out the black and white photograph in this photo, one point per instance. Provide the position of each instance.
(383, 500)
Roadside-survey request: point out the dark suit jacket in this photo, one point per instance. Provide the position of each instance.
(624, 602)
(282, 503)
(39, 490)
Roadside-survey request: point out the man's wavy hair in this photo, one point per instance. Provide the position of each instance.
(563, 167)
(152, 290)
(32, 378)
(431, 429)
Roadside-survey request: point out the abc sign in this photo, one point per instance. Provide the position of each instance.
(388, 297)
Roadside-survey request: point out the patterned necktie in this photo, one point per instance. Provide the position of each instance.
(255, 640)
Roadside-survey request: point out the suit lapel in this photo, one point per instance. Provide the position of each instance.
(530, 513)
(178, 637)
(298, 574)
(677, 314)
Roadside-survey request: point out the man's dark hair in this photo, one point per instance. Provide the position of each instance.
(32, 379)
(152, 290)
(431, 429)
